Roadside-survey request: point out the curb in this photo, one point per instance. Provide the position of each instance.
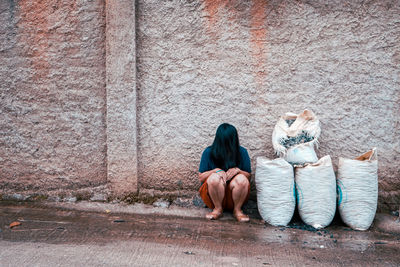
(136, 208)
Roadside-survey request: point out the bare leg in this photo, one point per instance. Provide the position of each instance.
(216, 190)
(240, 189)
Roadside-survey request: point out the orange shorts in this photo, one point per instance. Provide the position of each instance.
(227, 202)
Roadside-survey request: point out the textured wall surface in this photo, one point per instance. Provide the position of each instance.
(52, 96)
(201, 63)
(121, 96)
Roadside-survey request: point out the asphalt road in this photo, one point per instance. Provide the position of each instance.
(56, 236)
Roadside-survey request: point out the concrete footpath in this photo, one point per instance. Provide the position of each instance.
(101, 234)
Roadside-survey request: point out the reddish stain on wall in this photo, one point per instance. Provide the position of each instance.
(211, 8)
(258, 30)
(33, 31)
(258, 35)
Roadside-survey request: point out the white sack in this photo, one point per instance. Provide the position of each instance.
(301, 153)
(316, 192)
(358, 190)
(275, 190)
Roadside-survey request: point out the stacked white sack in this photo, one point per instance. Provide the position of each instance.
(275, 190)
(316, 192)
(358, 190)
(304, 123)
(301, 154)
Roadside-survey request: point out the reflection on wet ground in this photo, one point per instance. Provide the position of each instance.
(336, 244)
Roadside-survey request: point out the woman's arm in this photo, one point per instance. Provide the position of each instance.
(245, 174)
(204, 175)
(235, 171)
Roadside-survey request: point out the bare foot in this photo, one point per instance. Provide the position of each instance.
(241, 217)
(214, 215)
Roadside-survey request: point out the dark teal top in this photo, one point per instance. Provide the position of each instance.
(206, 163)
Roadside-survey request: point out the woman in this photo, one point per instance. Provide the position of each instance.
(225, 173)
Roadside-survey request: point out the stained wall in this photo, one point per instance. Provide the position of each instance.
(52, 96)
(201, 63)
(190, 66)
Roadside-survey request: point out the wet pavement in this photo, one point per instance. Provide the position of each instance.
(60, 236)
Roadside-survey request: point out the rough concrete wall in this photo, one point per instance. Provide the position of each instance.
(121, 96)
(201, 63)
(52, 96)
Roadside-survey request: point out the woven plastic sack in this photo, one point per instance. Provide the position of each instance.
(299, 151)
(275, 190)
(301, 154)
(316, 192)
(357, 187)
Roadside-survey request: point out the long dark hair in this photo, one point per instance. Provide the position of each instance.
(225, 151)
